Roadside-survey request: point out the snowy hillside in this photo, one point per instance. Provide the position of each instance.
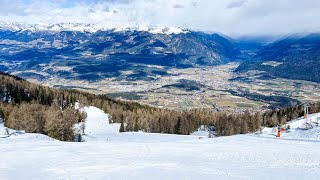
(298, 130)
(107, 154)
(7, 134)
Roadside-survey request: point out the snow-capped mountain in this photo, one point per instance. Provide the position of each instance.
(93, 51)
(81, 27)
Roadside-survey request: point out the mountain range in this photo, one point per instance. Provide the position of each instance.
(91, 52)
(107, 52)
(293, 57)
(81, 27)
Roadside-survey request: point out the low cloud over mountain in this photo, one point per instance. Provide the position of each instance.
(232, 17)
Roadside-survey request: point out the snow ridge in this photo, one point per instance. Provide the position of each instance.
(82, 27)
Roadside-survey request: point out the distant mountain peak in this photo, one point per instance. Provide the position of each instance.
(82, 27)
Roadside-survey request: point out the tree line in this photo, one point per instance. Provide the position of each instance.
(54, 114)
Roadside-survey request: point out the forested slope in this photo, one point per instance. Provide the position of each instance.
(41, 109)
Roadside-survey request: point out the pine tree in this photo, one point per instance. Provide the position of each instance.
(136, 126)
(121, 127)
(79, 137)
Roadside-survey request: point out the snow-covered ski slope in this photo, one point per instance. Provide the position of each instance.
(297, 130)
(107, 154)
(97, 127)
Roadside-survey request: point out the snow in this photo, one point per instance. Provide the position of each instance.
(200, 133)
(297, 130)
(97, 126)
(107, 154)
(204, 131)
(7, 134)
(298, 123)
(167, 30)
(82, 27)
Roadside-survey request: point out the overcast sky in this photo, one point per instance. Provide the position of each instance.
(231, 17)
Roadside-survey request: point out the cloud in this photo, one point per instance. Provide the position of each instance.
(232, 17)
(178, 6)
(236, 4)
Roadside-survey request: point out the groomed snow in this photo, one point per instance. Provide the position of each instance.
(97, 127)
(107, 154)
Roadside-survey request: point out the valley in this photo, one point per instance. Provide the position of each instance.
(215, 88)
(169, 68)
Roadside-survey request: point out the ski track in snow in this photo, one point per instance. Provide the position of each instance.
(107, 154)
